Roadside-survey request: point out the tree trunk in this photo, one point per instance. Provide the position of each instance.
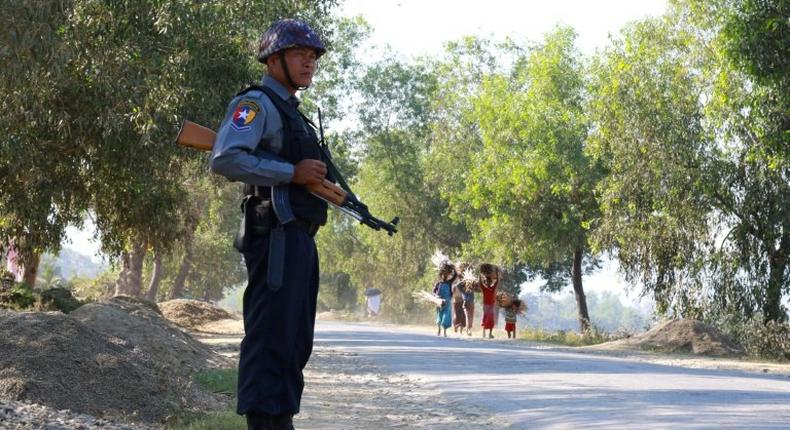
(31, 269)
(578, 290)
(131, 278)
(186, 264)
(156, 277)
(777, 260)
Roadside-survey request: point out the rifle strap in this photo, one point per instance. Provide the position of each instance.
(327, 157)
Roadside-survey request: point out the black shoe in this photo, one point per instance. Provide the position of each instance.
(269, 422)
(283, 422)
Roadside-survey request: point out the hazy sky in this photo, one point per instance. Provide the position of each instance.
(419, 27)
(422, 27)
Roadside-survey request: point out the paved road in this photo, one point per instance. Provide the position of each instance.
(533, 387)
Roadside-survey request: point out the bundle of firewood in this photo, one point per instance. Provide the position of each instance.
(505, 300)
(429, 298)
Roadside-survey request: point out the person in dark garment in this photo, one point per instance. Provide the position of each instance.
(266, 143)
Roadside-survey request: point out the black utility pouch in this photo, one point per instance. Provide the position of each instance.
(256, 220)
(264, 217)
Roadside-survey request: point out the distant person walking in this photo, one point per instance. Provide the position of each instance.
(511, 317)
(372, 301)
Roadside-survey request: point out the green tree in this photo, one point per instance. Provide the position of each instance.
(693, 125)
(145, 67)
(394, 113)
(648, 132)
(532, 179)
(42, 149)
(749, 81)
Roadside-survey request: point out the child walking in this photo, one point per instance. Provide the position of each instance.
(469, 306)
(511, 316)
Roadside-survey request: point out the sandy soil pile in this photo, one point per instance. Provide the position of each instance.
(55, 360)
(144, 329)
(118, 359)
(682, 336)
(192, 314)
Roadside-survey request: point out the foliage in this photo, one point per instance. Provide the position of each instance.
(695, 203)
(18, 297)
(555, 312)
(760, 340)
(49, 274)
(567, 338)
(41, 149)
(22, 297)
(58, 299)
(390, 180)
(531, 183)
(649, 135)
(100, 287)
(337, 292)
(770, 340)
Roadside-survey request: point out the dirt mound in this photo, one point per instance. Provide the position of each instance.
(140, 326)
(192, 314)
(226, 326)
(118, 358)
(684, 336)
(55, 360)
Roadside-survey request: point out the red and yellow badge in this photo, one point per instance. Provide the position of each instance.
(244, 114)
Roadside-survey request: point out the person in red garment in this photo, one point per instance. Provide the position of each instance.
(489, 280)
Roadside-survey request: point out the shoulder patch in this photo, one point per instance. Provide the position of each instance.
(244, 115)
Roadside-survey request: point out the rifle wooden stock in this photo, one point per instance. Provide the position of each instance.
(202, 138)
(196, 136)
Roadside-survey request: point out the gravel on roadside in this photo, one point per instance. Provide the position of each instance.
(15, 415)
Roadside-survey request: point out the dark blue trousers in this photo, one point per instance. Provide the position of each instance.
(278, 327)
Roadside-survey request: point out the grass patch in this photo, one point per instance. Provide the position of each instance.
(567, 338)
(227, 420)
(220, 381)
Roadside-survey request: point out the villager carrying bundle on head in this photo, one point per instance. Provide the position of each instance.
(505, 300)
(489, 282)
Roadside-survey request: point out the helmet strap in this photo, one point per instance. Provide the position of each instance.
(288, 73)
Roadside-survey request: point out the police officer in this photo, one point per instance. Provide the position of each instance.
(265, 142)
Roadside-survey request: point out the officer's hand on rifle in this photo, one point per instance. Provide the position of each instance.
(309, 172)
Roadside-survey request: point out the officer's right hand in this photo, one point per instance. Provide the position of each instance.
(309, 171)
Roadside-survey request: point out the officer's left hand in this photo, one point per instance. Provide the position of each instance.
(309, 171)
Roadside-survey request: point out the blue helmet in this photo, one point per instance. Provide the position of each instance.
(289, 33)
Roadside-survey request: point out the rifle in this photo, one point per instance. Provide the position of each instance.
(192, 135)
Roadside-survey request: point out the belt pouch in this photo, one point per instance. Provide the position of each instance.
(244, 236)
